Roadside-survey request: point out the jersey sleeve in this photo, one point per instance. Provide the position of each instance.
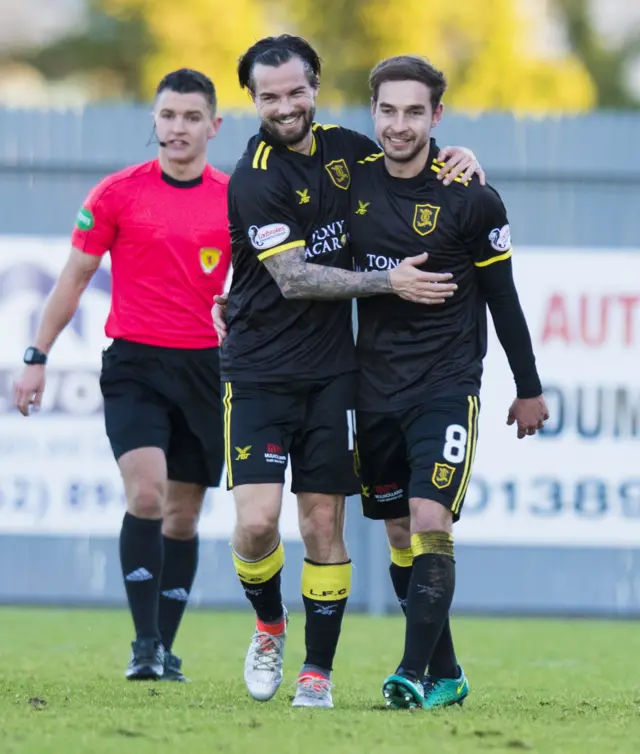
(96, 224)
(489, 228)
(260, 210)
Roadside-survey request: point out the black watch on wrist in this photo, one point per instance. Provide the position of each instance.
(34, 356)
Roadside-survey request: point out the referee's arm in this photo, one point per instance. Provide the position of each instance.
(92, 237)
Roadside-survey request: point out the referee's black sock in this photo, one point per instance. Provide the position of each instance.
(178, 574)
(141, 556)
(430, 594)
(400, 572)
(325, 589)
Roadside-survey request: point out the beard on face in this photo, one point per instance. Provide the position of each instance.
(272, 126)
(406, 156)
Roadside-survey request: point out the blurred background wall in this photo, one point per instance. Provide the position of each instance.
(546, 92)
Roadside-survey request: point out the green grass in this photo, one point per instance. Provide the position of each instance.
(542, 686)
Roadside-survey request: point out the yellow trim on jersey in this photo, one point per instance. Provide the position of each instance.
(265, 157)
(470, 452)
(323, 126)
(280, 249)
(314, 146)
(261, 156)
(493, 260)
(256, 157)
(371, 158)
(226, 402)
(435, 166)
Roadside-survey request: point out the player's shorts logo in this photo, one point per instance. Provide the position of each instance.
(243, 453)
(339, 173)
(209, 259)
(425, 217)
(442, 475)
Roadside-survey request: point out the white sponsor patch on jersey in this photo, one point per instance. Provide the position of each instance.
(268, 236)
(500, 238)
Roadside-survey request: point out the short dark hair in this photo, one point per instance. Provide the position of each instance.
(186, 81)
(275, 51)
(408, 68)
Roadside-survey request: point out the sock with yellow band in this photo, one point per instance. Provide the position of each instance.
(400, 572)
(260, 580)
(325, 589)
(429, 599)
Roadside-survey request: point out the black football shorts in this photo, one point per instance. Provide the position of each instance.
(425, 451)
(166, 398)
(310, 421)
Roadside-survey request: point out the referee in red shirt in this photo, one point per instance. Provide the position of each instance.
(165, 224)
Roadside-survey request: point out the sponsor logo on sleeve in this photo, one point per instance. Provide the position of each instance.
(268, 236)
(85, 219)
(500, 238)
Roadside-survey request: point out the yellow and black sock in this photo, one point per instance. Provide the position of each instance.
(430, 594)
(325, 589)
(400, 572)
(260, 580)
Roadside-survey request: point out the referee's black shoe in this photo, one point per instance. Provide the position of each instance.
(147, 660)
(173, 668)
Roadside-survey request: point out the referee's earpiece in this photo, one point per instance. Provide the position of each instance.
(153, 138)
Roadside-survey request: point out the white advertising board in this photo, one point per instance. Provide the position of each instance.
(57, 472)
(578, 484)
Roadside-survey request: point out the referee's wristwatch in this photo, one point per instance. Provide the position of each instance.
(34, 356)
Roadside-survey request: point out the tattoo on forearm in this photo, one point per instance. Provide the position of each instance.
(298, 278)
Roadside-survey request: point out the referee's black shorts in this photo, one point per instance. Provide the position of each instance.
(166, 398)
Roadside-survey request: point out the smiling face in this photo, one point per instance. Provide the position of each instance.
(285, 100)
(403, 118)
(185, 123)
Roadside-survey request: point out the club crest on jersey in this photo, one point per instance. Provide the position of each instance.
(339, 173)
(425, 217)
(442, 475)
(209, 259)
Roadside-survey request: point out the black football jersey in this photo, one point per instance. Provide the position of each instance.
(408, 350)
(280, 199)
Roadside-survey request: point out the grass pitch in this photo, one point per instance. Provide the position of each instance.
(540, 686)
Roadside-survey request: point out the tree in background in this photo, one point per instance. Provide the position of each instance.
(484, 46)
(208, 35)
(606, 64)
(109, 54)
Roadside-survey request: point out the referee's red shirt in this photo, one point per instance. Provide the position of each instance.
(170, 252)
